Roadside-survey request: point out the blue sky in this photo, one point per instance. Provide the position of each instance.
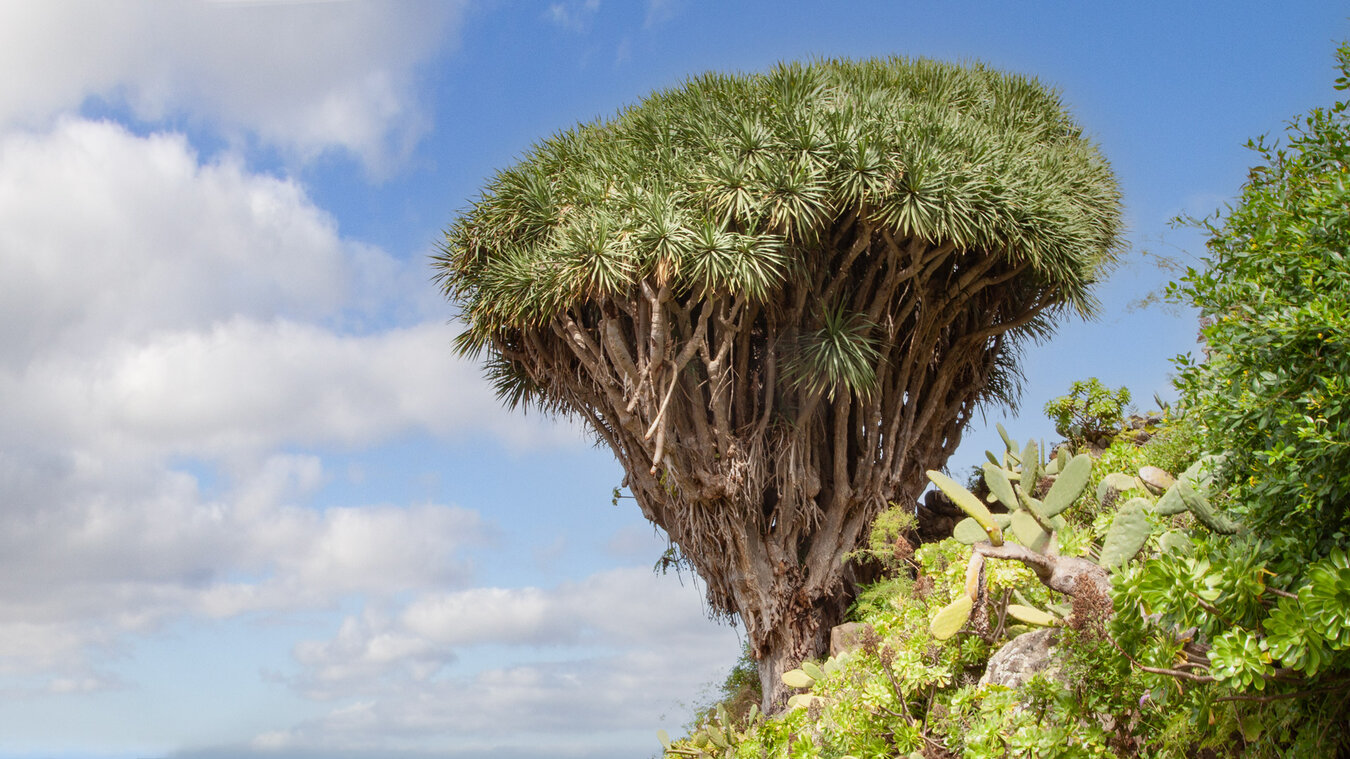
(252, 505)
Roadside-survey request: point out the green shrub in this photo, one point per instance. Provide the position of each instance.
(1274, 392)
(1090, 411)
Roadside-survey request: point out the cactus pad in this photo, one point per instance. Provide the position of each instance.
(813, 671)
(1031, 616)
(1129, 531)
(999, 485)
(969, 503)
(1031, 465)
(1068, 485)
(1029, 532)
(1171, 502)
(1203, 511)
(951, 618)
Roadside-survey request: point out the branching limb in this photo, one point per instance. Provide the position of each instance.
(1059, 573)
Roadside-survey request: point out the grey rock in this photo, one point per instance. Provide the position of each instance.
(1021, 658)
(1114, 484)
(1156, 479)
(848, 636)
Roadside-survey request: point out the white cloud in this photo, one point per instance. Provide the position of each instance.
(110, 235)
(660, 11)
(161, 316)
(150, 304)
(244, 385)
(96, 559)
(305, 76)
(413, 675)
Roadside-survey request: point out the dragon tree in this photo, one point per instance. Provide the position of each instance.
(779, 298)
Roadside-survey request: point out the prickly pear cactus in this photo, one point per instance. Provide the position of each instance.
(1190, 492)
(1129, 532)
(1013, 480)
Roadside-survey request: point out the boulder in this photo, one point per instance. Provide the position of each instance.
(1157, 480)
(848, 636)
(1021, 658)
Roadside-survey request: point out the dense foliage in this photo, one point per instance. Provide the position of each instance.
(1193, 653)
(779, 299)
(1274, 392)
(1226, 631)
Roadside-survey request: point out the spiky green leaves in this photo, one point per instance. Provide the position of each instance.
(923, 149)
(742, 264)
(842, 353)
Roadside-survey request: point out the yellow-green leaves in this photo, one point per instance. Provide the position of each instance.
(951, 618)
(1031, 616)
(797, 678)
(813, 670)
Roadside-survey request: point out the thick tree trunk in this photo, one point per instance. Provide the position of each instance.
(806, 636)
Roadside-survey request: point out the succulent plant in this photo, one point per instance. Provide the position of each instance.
(1012, 480)
(969, 503)
(1190, 492)
(1129, 532)
(716, 737)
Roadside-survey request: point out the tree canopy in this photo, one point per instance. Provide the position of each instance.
(780, 297)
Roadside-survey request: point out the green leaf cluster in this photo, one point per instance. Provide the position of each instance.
(1089, 411)
(909, 691)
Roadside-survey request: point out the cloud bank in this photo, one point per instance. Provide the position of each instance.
(157, 311)
(307, 77)
(186, 342)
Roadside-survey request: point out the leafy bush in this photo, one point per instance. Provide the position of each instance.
(1090, 411)
(1274, 391)
(1196, 650)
